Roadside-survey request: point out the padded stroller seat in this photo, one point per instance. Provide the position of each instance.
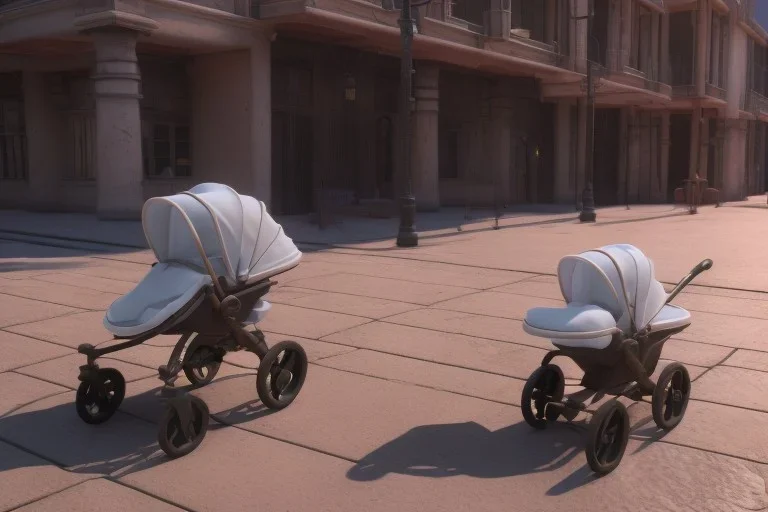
(162, 292)
(670, 317)
(575, 325)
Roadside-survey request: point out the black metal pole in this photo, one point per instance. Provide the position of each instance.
(588, 213)
(406, 236)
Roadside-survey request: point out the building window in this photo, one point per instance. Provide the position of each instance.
(472, 11)
(167, 151)
(13, 141)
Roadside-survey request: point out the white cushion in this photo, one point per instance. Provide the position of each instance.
(574, 325)
(670, 317)
(162, 292)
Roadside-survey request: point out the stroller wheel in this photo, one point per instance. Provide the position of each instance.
(546, 384)
(670, 396)
(281, 374)
(99, 397)
(201, 366)
(608, 437)
(177, 439)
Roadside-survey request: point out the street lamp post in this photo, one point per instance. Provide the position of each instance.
(406, 235)
(588, 213)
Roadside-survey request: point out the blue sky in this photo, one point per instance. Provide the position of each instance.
(761, 12)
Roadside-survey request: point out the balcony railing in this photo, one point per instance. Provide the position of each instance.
(755, 103)
(715, 92)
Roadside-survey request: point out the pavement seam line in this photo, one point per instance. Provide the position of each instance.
(68, 313)
(146, 493)
(51, 494)
(717, 364)
(21, 406)
(6, 292)
(357, 294)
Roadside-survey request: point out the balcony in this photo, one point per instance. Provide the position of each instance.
(714, 91)
(755, 103)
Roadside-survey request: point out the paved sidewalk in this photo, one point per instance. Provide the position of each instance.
(418, 360)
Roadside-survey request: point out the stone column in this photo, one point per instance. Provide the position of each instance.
(624, 120)
(613, 52)
(702, 44)
(261, 118)
(45, 161)
(424, 138)
(703, 147)
(116, 82)
(633, 148)
(664, 71)
(500, 134)
(665, 141)
(695, 145)
(655, 62)
(581, 150)
(563, 163)
(499, 19)
(626, 32)
(549, 21)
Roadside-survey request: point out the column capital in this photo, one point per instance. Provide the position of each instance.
(116, 73)
(116, 20)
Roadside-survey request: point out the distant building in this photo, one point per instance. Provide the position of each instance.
(106, 103)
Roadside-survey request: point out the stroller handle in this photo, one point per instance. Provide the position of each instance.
(698, 269)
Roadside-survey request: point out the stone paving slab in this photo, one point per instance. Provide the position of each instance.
(749, 359)
(504, 305)
(362, 412)
(718, 428)
(532, 288)
(17, 310)
(315, 350)
(470, 324)
(20, 390)
(18, 351)
(383, 288)
(100, 284)
(700, 354)
(117, 270)
(25, 478)
(431, 375)
(425, 272)
(734, 386)
(307, 323)
(51, 429)
(453, 349)
(338, 302)
(61, 294)
(425, 468)
(728, 331)
(736, 307)
(69, 330)
(98, 494)
(65, 370)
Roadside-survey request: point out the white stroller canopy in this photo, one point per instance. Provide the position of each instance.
(233, 232)
(618, 278)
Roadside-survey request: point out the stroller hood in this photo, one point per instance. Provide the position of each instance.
(618, 278)
(212, 227)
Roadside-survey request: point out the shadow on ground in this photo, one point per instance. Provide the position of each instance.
(50, 428)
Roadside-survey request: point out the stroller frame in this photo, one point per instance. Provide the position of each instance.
(213, 322)
(623, 368)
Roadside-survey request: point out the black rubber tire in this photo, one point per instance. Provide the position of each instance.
(169, 431)
(550, 381)
(98, 399)
(607, 437)
(292, 366)
(201, 375)
(670, 396)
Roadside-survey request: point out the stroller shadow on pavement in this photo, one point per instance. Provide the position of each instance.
(49, 431)
(470, 449)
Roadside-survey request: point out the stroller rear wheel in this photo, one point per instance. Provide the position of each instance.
(608, 437)
(670, 396)
(546, 384)
(99, 396)
(202, 365)
(179, 435)
(281, 374)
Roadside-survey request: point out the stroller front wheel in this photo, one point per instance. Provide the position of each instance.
(178, 437)
(670, 396)
(100, 396)
(608, 437)
(546, 384)
(201, 366)
(281, 374)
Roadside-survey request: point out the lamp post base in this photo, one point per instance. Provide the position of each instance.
(407, 236)
(588, 213)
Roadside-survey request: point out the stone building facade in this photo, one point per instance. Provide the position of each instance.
(108, 102)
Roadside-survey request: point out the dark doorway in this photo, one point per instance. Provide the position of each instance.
(606, 156)
(292, 139)
(544, 155)
(679, 152)
(385, 164)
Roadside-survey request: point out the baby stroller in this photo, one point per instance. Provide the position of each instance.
(216, 252)
(616, 320)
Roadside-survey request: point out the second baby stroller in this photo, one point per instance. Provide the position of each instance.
(616, 320)
(216, 252)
